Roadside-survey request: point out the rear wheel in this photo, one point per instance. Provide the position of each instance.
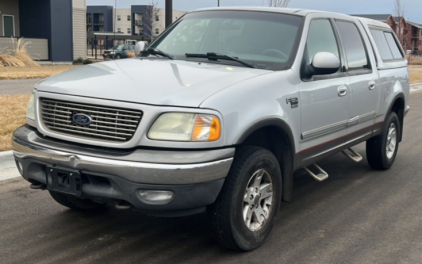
(381, 150)
(244, 213)
(74, 202)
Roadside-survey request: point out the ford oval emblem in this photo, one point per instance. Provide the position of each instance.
(82, 119)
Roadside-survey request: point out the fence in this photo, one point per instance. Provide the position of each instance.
(37, 48)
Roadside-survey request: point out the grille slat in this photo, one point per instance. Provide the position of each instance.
(107, 123)
(94, 107)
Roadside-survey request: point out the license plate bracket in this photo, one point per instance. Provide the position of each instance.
(64, 180)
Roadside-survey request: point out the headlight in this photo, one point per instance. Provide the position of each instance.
(30, 109)
(186, 127)
(112, 52)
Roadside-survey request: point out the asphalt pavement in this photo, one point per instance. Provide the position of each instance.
(12, 87)
(358, 215)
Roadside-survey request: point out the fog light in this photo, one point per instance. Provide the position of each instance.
(156, 197)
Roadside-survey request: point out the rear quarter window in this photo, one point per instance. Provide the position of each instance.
(387, 45)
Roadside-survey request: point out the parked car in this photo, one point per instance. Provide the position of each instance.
(216, 115)
(118, 52)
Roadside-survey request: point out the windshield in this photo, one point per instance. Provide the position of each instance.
(264, 39)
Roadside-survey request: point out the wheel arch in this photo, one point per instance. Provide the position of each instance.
(275, 135)
(398, 105)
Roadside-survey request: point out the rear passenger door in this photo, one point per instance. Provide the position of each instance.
(363, 77)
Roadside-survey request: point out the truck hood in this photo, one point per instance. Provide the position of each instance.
(149, 81)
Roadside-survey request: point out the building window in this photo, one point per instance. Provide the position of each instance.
(129, 31)
(157, 18)
(405, 32)
(119, 30)
(119, 18)
(157, 31)
(128, 18)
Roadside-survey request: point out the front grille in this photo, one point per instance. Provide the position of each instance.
(107, 123)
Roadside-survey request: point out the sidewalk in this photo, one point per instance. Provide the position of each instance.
(8, 168)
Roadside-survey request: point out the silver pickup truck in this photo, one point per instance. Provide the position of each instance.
(216, 115)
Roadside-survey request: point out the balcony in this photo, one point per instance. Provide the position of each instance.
(99, 22)
(138, 23)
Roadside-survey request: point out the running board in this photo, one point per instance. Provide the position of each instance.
(353, 155)
(322, 175)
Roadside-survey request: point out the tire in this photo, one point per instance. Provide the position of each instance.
(74, 202)
(118, 56)
(381, 150)
(252, 167)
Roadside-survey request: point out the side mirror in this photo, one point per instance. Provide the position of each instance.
(140, 46)
(324, 63)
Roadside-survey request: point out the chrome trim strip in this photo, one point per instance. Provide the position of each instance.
(322, 131)
(138, 172)
(367, 117)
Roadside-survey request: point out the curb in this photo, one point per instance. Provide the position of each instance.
(415, 87)
(8, 168)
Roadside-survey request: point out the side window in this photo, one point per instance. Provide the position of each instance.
(353, 45)
(393, 45)
(382, 44)
(321, 38)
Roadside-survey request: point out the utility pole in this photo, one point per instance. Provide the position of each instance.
(169, 12)
(218, 3)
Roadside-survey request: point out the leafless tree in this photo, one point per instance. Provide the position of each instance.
(399, 13)
(151, 12)
(278, 3)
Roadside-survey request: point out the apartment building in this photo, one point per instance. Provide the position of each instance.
(139, 20)
(150, 23)
(55, 29)
(123, 21)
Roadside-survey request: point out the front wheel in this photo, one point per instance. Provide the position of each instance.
(381, 150)
(244, 213)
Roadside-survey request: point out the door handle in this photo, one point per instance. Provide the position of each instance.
(342, 91)
(371, 85)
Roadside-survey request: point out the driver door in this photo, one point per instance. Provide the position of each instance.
(325, 99)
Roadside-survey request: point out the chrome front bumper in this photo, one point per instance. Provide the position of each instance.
(138, 166)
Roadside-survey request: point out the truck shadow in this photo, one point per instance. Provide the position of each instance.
(111, 236)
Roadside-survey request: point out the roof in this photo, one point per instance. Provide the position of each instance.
(253, 8)
(397, 19)
(379, 17)
(298, 12)
(372, 22)
(414, 24)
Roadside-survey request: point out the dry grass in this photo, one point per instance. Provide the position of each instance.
(30, 72)
(17, 56)
(12, 116)
(415, 60)
(415, 66)
(415, 77)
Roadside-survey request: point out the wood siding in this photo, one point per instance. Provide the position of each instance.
(79, 33)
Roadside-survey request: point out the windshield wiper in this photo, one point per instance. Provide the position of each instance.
(154, 51)
(217, 56)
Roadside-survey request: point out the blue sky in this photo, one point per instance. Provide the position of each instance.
(413, 8)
